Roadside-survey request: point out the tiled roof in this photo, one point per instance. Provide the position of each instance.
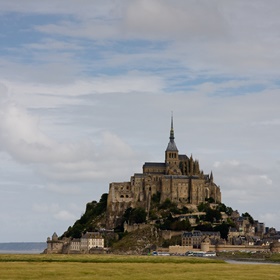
(157, 164)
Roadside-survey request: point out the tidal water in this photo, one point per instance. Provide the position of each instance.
(250, 262)
(22, 247)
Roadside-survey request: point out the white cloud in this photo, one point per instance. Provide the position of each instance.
(53, 210)
(22, 138)
(64, 190)
(64, 215)
(270, 218)
(32, 94)
(45, 208)
(87, 89)
(243, 183)
(273, 122)
(181, 20)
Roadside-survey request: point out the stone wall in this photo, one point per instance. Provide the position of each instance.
(275, 247)
(55, 247)
(221, 248)
(179, 249)
(168, 234)
(130, 228)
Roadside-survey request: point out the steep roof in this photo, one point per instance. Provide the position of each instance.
(156, 164)
(171, 145)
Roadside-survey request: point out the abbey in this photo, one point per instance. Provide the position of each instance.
(178, 179)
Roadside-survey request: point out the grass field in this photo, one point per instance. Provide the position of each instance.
(72, 267)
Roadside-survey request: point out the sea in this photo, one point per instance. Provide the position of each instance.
(23, 247)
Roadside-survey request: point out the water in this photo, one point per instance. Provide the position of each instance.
(22, 247)
(250, 262)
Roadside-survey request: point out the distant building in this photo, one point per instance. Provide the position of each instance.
(196, 237)
(75, 245)
(88, 242)
(91, 240)
(54, 245)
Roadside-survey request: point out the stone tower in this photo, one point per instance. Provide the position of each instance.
(172, 154)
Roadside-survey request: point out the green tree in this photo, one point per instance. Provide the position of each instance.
(138, 216)
(134, 215)
(204, 227)
(250, 218)
(93, 210)
(213, 215)
(203, 207)
(223, 229)
(156, 198)
(223, 208)
(181, 225)
(210, 200)
(168, 221)
(167, 204)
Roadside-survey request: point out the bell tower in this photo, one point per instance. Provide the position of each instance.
(171, 153)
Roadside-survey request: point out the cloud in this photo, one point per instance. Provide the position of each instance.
(87, 88)
(131, 19)
(241, 182)
(179, 20)
(273, 122)
(64, 215)
(45, 208)
(54, 210)
(269, 218)
(86, 8)
(21, 137)
(34, 94)
(64, 190)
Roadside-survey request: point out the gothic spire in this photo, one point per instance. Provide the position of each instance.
(211, 177)
(172, 129)
(171, 145)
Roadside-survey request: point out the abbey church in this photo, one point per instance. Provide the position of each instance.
(178, 178)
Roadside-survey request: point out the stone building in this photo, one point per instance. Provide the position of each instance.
(54, 245)
(85, 244)
(91, 240)
(196, 237)
(75, 245)
(178, 178)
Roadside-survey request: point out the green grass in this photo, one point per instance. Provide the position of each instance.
(103, 259)
(70, 267)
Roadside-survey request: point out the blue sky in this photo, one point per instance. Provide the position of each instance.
(87, 89)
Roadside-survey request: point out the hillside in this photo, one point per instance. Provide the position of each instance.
(166, 216)
(92, 220)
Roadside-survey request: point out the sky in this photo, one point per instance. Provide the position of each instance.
(86, 93)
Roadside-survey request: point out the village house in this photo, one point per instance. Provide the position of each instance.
(86, 244)
(195, 238)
